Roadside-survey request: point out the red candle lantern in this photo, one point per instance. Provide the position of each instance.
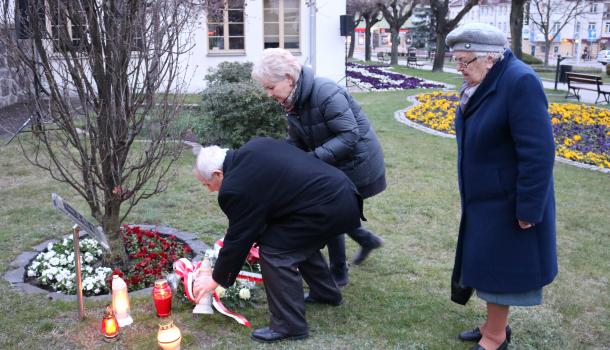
(162, 295)
(110, 326)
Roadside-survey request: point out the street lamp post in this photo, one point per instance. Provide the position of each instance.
(559, 59)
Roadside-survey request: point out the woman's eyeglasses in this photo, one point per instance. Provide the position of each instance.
(464, 65)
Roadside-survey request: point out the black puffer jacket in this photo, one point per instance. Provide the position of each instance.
(327, 121)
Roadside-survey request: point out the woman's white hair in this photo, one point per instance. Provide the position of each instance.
(210, 159)
(275, 65)
(495, 55)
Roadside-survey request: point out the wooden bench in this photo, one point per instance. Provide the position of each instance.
(383, 57)
(577, 82)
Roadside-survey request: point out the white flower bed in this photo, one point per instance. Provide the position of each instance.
(55, 267)
(376, 78)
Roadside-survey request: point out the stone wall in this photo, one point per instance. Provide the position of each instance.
(13, 81)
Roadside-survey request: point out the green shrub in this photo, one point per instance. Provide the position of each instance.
(229, 72)
(232, 113)
(529, 59)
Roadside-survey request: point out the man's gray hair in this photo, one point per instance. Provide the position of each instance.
(275, 65)
(210, 159)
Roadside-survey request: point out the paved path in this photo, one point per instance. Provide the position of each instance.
(562, 88)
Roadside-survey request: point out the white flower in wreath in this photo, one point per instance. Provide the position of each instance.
(221, 291)
(88, 257)
(244, 293)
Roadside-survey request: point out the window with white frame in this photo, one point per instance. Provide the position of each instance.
(592, 28)
(281, 24)
(593, 8)
(68, 23)
(226, 32)
(555, 29)
(607, 27)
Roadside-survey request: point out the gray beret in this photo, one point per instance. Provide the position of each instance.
(476, 37)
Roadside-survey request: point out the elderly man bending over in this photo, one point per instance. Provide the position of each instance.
(290, 204)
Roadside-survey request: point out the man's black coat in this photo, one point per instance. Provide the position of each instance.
(277, 195)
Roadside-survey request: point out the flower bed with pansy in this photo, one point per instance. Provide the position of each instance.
(378, 78)
(582, 133)
(151, 256)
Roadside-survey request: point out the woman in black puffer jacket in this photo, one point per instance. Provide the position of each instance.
(324, 120)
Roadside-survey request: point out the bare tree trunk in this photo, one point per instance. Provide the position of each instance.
(352, 44)
(367, 43)
(516, 27)
(547, 48)
(111, 223)
(439, 56)
(395, 41)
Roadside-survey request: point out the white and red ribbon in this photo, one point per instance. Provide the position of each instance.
(223, 310)
(187, 270)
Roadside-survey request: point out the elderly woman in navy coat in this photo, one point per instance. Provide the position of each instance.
(506, 248)
(325, 121)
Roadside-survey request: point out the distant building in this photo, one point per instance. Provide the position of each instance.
(590, 31)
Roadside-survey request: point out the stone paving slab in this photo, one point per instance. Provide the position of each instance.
(15, 276)
(23, 259)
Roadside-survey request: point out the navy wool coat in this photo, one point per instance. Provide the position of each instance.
(277, 195)
(328, 122)
(505, 171)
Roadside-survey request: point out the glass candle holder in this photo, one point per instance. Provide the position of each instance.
(169, 336)
(110, 326)
(162, 296)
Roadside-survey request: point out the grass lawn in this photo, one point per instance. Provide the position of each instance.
(398, 299)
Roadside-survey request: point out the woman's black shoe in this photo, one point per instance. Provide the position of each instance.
(475, 335)
(503, 346)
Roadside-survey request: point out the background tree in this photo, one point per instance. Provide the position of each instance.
(516, 26)
(103, 71)
(422, 32)
(354, 8)
(396, 13)
(444, 25)
(551, 16)
(372, 15)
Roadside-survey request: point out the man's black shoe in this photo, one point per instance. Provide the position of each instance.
(475, 334)
(364, 251)
(311, 300)
(268, 335)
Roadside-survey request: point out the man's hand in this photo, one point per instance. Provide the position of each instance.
(524, 224)
(202, 285)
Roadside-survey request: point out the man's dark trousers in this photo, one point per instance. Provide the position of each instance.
(283, 272)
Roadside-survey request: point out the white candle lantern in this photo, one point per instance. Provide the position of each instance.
(120, 301)
(169, 336)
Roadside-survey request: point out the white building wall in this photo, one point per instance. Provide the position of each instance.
(330, 51)
(330, 55)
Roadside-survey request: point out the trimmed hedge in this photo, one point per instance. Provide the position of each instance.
(233, 113)
(234, 108)
(229, 72)
(529, 59)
